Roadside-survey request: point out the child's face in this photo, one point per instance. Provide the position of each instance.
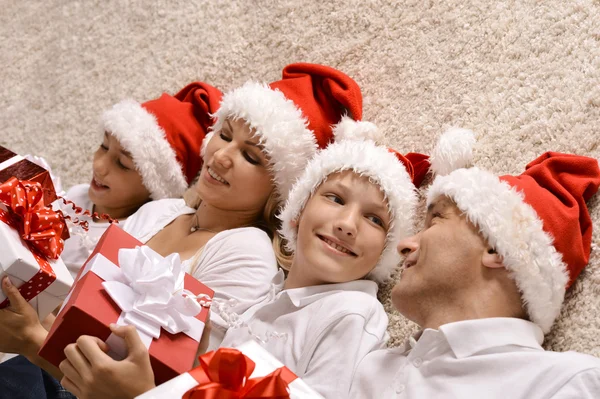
(342, 230)
(116, 186)
(235, 174)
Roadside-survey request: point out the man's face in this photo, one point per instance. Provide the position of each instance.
(442, 261)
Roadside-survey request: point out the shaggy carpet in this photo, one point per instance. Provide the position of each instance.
(524, 75)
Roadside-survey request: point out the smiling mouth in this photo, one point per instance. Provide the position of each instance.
(215, 176)
(336, 246)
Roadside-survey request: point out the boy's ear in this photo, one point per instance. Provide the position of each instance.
(491, 259)
(294, 223)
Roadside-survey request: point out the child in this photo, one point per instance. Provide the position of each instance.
(343, 216)
(148, 152)
(260, 144)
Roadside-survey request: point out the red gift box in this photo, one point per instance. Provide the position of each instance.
(13, 165)
(89, 310)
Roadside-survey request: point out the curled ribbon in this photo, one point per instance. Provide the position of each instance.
(225, 374)
(37, 224)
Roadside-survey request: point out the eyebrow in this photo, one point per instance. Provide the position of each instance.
(127, 154)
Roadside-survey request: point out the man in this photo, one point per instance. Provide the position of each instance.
(485, 280)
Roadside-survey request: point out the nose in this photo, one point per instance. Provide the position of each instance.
(223, 158)
(101, 164)
(346, 224)
(408, 245)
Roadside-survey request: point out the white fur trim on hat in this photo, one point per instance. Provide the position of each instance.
(514, 230)
(349, 129)
(280, 125)
(140, 134)
(454, 150)
(381, 167)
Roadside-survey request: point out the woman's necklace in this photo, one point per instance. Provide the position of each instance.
(195, 227)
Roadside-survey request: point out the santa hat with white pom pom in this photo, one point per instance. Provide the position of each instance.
(537, 221)
(355, 149)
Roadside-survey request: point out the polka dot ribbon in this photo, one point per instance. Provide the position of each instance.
(39, 226)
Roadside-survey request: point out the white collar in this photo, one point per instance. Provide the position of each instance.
(469, 337)
(306, 295)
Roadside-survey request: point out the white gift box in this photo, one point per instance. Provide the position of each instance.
(265, 365)
(17, 261)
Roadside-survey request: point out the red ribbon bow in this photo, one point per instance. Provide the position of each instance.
(37, 224)
(225, 374)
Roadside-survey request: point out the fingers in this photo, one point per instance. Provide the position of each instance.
(69, 371)
(17, 302)
(77, 359)
(92, 348)
(135, 346)
(70, 386)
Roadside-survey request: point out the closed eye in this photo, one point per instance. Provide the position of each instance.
(250, 159)
(225, 137)
(104, 147)
(120, 165)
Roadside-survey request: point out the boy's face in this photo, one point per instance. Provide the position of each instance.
(342, 229)
(235, 175)
(116, 186)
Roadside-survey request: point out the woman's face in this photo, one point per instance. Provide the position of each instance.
(235, 175)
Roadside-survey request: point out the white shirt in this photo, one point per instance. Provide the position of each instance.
(238, 264)
(318, 332)
(81, 243)
(486, 358)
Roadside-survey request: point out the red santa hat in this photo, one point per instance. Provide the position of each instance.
(537, 221)
(164, 136)
(293, 116)
(396, 175)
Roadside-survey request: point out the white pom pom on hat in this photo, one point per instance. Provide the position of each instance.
(454, 150)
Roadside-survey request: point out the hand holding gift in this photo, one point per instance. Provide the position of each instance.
(20, 329)
(31, 240)
(124, 283)
(90, 373)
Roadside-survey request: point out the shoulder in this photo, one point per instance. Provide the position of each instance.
(245, 239)
(79, 195)
(569, 363)
(353, 307)
(153, 216)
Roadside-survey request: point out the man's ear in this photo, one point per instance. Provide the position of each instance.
(491, 259)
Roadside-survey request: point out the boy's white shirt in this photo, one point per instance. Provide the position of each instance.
(81, 244)
(318, 332)
(238, 264)
(485, 358)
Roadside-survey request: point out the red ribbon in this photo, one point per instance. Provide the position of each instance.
(37, 224)
(225, 374)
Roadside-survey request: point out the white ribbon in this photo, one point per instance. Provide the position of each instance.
(149, 290)
(10, 162)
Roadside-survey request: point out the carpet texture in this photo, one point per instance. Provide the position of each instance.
(524, 75)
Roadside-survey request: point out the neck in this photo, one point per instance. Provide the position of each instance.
(477, 304)
(298, 276)
(115, 213)
(215, 219)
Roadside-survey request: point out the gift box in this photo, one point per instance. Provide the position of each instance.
(14, 165)
(30, 243)
(247, 370)
(124, 282)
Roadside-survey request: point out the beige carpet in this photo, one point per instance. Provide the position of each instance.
(524, 75)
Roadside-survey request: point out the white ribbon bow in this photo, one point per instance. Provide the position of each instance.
(149, 290)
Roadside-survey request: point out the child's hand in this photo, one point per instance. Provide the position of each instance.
(90, 373)
(20, 329)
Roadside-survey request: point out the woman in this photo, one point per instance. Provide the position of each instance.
(263, 137)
